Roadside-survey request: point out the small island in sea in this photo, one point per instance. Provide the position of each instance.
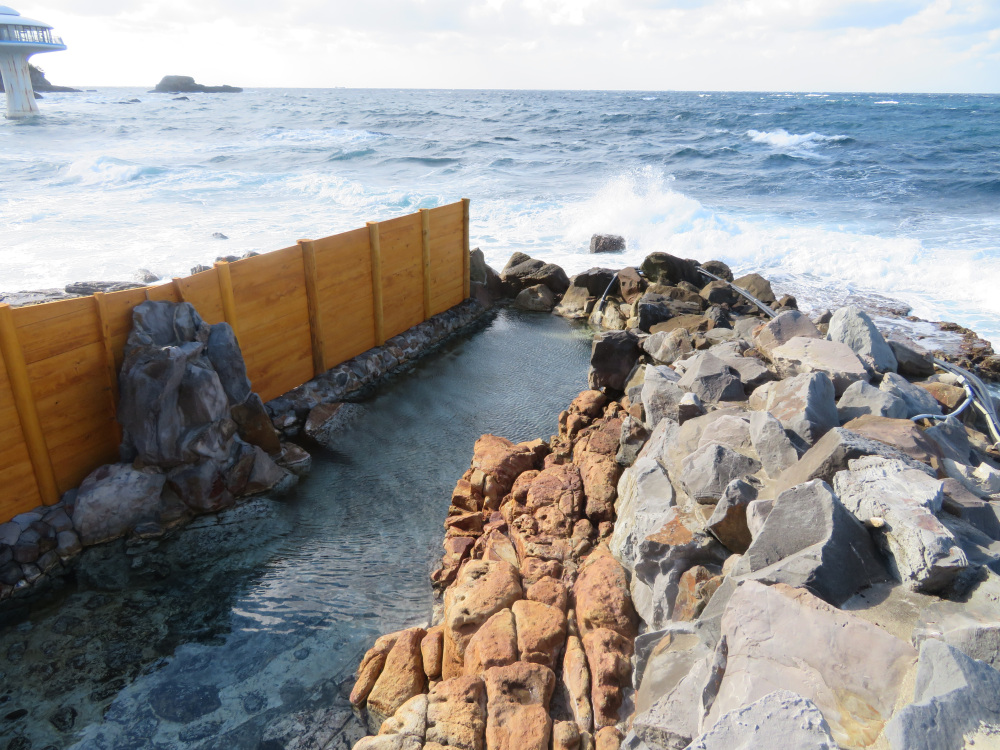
(187, 85)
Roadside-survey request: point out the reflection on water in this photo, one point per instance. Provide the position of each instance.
(243, 630)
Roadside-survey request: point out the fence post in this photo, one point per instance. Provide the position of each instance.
(228, 300)
(27, 411)
(104, 319)
(313, 302)
(466, 285)
(376, 250)
(178, 290)
(425, 234)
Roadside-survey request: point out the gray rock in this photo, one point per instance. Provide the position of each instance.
(917, 400)
(955, 697)
(757, 513)
(477, 266)
(223, 351)
(811, 541)
(607, 243)
(751, 370)
(773, 447)
(706, 472)
(712, 380)
(728, 522)
(660, 394)
(971, 625)
(777, 636)
(653, 308)
(68, 544)
(862, 398)
(537, 298)
(981, 514)
(911, 360)
(633, 438)
(9, 532)
(852, 326)
(781, 720)
(663, 268)
(689, 407)
(982, 481)
(612, 357)
(804, 355)
(657, 642)
(645, 501)
(951, 438)
(666, 347)
(805, 404)
(782, 329)
(743, 328)
(523, 271)
(731, 430)
(924, 554)
(113, 499)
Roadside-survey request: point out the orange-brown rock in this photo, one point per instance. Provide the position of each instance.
(609, 658)
(589, 404)
(371, 667)
(468, 524)
(557, 487)
(499, 458)
(409, 723)
(533, 569)
(694, 589)
(456, 550)
(576, 678)
(899, 433)
(541, 632)
(548, 591)
(949, 396)
(602, 596)
(607, 738)
(456, 715)
(517, 707)
(495, 545)
(519, 490)
(494, 644)
(571, 424)
(481, 589)
(565, 736)
(466, 497)
(431, 648)
(402, 677)
(603, 437)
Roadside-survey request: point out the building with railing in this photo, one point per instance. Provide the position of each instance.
(20, 38)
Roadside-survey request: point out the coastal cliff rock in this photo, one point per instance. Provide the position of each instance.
(40, 83)
(187, 85)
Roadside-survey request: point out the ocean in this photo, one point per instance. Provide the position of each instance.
(830, 195)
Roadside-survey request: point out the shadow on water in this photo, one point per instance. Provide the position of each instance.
(243, 630)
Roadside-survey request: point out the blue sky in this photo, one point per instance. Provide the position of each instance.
(796, 45)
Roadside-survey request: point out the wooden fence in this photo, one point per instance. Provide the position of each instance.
(296, 312)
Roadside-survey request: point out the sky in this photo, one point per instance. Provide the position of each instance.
(699, 45)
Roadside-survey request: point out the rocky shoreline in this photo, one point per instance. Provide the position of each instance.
(739, 537)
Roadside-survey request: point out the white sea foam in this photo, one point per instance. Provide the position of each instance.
(887, 101)
(782, 139)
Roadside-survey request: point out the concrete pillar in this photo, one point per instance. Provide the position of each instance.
(17, 81)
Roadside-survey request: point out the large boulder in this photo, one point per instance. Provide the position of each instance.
(711, 379)
(607, 243)
(523, 271)
(456, 714)
(803, 354)
(667, 347)
(612, 357)
(661, 395)
(537, 298)
(758, 286)
(901, 434)
(811, 541)
(924, 553)
(114, 499)
(782, 329)
(781, 720)
(971, 625)
(911, 360)
(517, 706)
(728, 522)
(645, 500)
(917, 400)
(401, 678)
(663, 268)
(852, 326)
(602, 596)
(805, 404)
(861, 398)
(774, 448)
(707, 471)
(781, 638)
(630, 284)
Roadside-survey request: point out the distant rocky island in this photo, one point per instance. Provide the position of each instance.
(187, 85)
(40, 83)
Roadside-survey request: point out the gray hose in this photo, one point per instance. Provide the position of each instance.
(760, 305)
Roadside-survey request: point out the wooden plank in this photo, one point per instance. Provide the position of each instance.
(24, 400)
(163, 293)
(466, 289)
(402, 273)
(314, 304)
(81, 455)
(377, 306)
(110, 368)
(44, 336)
(425, 237)
(18, 486)
(119, 306)
(228, 299)
(202, 291)
(254, 317)
(255, 278)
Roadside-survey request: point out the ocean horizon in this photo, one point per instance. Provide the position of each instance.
(832, 195)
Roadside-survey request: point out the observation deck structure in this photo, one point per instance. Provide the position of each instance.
(20, 38)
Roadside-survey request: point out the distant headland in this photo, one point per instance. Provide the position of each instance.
(40, 83)
(187, 85)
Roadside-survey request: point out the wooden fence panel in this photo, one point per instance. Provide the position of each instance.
(402, 273)
(344, 284)
(447, 242)
(273, 313)
(18, 487)
(119, 306)
(202, 291)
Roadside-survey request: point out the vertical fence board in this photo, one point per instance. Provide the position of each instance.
(18, 486)
(378, 304)
(344, 282)
(447, 240)
(402, 273)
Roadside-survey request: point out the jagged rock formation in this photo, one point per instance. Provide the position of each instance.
(187, 85)
(40, 83)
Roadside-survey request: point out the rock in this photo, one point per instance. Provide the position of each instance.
(576, 678)
(577, 303)
(917, 400)
(612, 358)
(294, 459)
(751, 370)
(707, 471)
(609, 656)
(949, 396)
(954, 697)
(494, 644)
(565, 735)
(663, 268)
(805, 404)
(852, 326)
(602, 596)
(862, 399)
(785, 638)
(645, 500)
(712, 380)
(758, 286)
(982, 481)
(537, 298)
(971, 625)
(806, 355)
(666, 348)
(633, 438)
(730, 429)
(502, 460)
(517, 707)
(482, 589)
(431, 648)
(477, 266)
(630, 284)
(113, 499)
(911, 360)
(653, 308)
(718, 268)
(401, 678)
(924, 553)
(719, 293)
(607, 738)
(541, 632)
(404, 730)
(833, 452)
(781, 720)
(951, 439)
(810, 540)
(728, 522)
(694, 590)
(661, 394)
(85, 288)
(522, 271)
(607, 243)
(456, 714)
(982, 515)
(771, 444)
(782, 329)
(548, 591)
(326, 420)
(901, 434)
